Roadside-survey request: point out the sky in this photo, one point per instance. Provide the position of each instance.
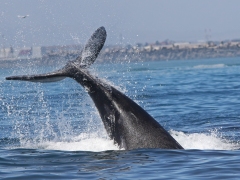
(66, 22)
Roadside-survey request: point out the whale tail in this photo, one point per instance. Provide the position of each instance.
(130, 126)
(87, 57)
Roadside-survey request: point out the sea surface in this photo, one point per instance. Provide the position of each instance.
(53, 130)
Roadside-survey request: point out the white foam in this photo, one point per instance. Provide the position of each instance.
(95, 145)
(209, 66)
(203, 141)
(79, 143)
(92, 142)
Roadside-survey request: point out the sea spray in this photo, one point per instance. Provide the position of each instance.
(204, 141)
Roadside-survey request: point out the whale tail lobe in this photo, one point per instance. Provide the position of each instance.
(87, 57)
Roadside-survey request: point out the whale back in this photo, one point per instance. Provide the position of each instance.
(128, 124)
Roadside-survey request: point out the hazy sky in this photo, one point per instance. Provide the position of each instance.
(60, 22)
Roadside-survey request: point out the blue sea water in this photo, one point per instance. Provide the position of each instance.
(53, 130)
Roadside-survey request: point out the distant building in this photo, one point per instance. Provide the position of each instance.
(21, 53)
(182, 45)
(25, 53)
(4, 52)
(36, 52)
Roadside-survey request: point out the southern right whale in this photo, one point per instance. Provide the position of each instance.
(129, 125)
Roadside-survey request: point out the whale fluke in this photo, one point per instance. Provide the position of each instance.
(92, 48)
(48, 77)
(88, 56)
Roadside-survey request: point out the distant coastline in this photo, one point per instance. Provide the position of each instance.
(176, 51)
(148, 52)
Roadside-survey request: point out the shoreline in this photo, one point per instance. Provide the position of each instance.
(134, 53)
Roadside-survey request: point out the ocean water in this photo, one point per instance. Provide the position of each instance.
(53, 130)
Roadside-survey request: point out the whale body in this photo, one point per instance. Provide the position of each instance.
(126, 123)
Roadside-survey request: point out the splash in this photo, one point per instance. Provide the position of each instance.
(211, 141)
(61, 120)
(65, 136)
(83, 142)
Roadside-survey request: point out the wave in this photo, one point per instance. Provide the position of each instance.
(203, 141)
(209, 66)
